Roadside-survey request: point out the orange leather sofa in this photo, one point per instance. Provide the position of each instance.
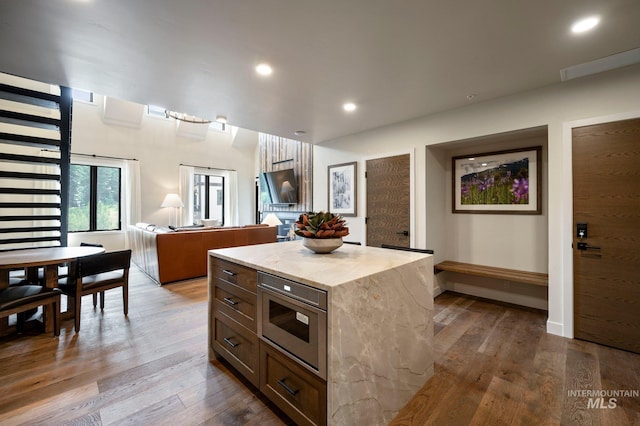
(181, 255)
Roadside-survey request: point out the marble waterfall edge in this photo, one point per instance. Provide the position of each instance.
(380, 343)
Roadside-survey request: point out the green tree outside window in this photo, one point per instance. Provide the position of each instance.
(94, 198)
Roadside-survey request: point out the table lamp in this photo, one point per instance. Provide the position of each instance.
(174, 201)
(272, 220)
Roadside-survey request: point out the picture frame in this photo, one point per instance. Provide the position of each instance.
(342, 184)
(500, 182)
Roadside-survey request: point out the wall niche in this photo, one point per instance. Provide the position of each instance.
(512, 241)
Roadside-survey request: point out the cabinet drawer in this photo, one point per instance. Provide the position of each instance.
(235, 302)
(237, 345)
(236, 274)
(299, 393)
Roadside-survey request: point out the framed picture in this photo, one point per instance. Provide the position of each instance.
(503, 182)
(342, 189)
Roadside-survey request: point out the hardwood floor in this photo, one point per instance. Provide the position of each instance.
(494, 365)
(148, 369)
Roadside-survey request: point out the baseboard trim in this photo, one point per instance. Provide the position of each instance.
(555, 328)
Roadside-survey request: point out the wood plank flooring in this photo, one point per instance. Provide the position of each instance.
(494, 365)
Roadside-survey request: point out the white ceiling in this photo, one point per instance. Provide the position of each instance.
(396, 59)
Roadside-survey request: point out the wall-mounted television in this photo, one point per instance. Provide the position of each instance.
(281, 186)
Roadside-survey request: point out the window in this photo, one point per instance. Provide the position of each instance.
(82, 95)
(94, 198)
(208, 197)
(157, 112)
(218, 127)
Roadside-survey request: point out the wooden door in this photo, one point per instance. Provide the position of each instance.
(606, 196)
(388, 201)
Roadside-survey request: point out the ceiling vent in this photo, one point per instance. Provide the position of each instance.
(607, 63)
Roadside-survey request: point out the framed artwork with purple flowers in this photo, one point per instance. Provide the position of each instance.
(502, 182)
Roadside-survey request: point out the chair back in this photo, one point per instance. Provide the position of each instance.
(83, 244)
(104, 262)
(425, 251)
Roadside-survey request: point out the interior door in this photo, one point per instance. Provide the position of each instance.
(388, 201)
(606, 212)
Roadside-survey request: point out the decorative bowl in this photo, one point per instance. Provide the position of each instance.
(322, 245)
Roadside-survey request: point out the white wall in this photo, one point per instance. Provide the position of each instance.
(610, 93)
(160, 152)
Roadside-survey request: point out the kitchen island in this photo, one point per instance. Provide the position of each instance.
(379, 328)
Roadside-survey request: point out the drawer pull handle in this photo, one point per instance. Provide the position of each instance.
(292, 392)
(230, 301)
(229, 342)
(230, 273)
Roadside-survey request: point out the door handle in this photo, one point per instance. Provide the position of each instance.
(405, 233)
(292, 392)
(228, 341)
(585, 246)
(230, 301)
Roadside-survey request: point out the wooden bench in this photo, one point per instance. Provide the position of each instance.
(526, 277)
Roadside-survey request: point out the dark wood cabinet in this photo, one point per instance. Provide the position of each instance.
(233, 273)
(232, 316)
(236, 303)
(233, 336)
(237, 345)
(299, 393)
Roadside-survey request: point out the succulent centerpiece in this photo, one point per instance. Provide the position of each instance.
(322, 232)
(321, 225)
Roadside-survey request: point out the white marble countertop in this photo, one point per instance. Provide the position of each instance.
(292, 260)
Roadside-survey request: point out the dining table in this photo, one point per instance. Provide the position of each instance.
(48, 258)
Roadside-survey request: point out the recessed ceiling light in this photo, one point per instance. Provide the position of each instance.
(264, 69)
(299, 132)
(471, 96)
(349, 106)
(585, 24)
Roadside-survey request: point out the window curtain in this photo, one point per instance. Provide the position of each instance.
(186, 194)
(43, 211)
(132, 208)
(231, 197)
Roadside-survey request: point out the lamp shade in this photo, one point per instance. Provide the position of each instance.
(172, 200)
(271, 220)
(287, 187)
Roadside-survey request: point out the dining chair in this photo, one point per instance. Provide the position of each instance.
(83, 244)
(17, 277)
(94, 275)
(18, 299)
